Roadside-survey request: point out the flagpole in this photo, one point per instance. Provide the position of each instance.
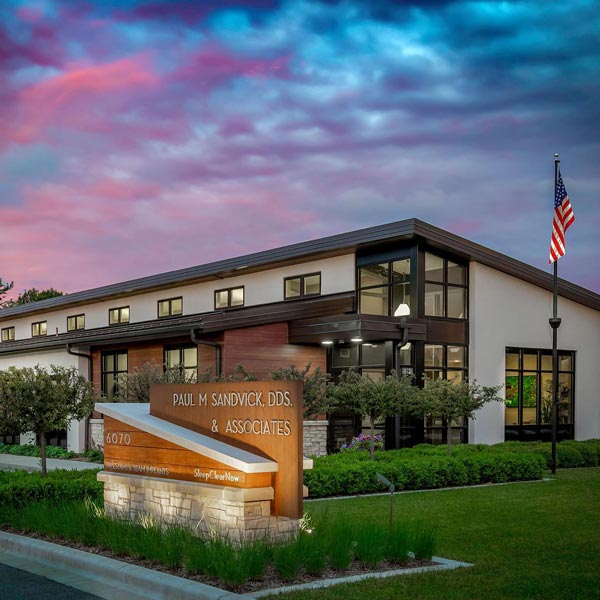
(555, 324)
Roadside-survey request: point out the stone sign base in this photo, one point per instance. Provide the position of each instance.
(236, 513)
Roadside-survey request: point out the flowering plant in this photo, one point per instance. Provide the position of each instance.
(363, 442)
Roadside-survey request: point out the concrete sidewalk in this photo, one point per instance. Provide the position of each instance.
(11, 462)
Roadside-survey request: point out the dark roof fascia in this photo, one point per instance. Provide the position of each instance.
(211, 322)
(511, 266)
(334, 245)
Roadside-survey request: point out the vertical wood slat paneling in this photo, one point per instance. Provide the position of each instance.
(264, 348)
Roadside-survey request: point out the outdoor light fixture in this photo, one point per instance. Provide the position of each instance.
(327, 342)
(356, 339)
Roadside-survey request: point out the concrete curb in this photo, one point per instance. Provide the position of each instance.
(445, 564)
(104, 577)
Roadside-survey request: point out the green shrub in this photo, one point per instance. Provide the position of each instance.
(332, 476)
(18, 488)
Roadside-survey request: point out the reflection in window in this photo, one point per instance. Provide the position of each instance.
(445, 288)
(528, 387)
(113, 367)
(183, 357)
(76, 323)
(8, 334)
(383, 287)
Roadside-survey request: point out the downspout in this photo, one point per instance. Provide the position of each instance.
(214, 345)
(87, 419)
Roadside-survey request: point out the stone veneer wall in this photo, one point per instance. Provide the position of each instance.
(315, 438)
(239, 514)
(314, 441)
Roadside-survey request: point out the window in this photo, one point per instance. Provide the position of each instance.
(529, 390)
(302, 286)
(113, 368)
(8, 334)
(229, 298)
(119, 315)
(445, 288)
(170, 307)
(445, 362)
(383, 287)
(39, 328)
(183, 357)
(75, 323)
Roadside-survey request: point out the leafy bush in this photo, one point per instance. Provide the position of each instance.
(19, 488)
(31, 450)
(334, 476)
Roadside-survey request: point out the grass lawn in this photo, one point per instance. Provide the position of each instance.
(527, 540)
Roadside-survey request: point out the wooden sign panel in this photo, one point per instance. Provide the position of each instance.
(259, 416)
(130, 450)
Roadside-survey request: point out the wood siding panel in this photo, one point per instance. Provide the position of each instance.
(264, 348)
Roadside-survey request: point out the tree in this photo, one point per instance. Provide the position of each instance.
(34, 399)
(314, 390)
(451, 401)
(32, 295)
(4, 288)
(375, 399)
(136, 387)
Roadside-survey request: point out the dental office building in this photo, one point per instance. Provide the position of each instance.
(403, 296)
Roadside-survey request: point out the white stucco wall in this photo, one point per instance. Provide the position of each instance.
(337, 275)
(76, 430)
(505, 311)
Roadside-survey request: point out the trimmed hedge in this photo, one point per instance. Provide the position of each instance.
(426, 466)
(335, 477)
(18, 488)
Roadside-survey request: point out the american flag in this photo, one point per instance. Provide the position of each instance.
(563, 217)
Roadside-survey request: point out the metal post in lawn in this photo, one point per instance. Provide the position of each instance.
(392, 488)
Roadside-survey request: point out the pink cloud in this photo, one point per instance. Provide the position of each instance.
(70, 97)
(212, 65)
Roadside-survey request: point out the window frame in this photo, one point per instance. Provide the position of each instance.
(10, 334)
(115, 371)
(539, 371)
(446, 285)
(181, 348)
(302, 279)
(77, 327)
(39, 328)
(389, 285)
(170, 304)
(229, 290)
(119, 310)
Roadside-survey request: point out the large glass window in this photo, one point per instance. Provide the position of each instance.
(8, 334)
(383, 287)
(302, 286)
(449, 362)
(445, 288)
(183, 357)
(528, 388)
(113, 366)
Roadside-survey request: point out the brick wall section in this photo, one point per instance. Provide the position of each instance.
(263, 348)
(315, 438)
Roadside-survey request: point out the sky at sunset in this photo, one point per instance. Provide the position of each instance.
(138, 137)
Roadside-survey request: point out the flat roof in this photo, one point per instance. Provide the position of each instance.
(334, 245)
